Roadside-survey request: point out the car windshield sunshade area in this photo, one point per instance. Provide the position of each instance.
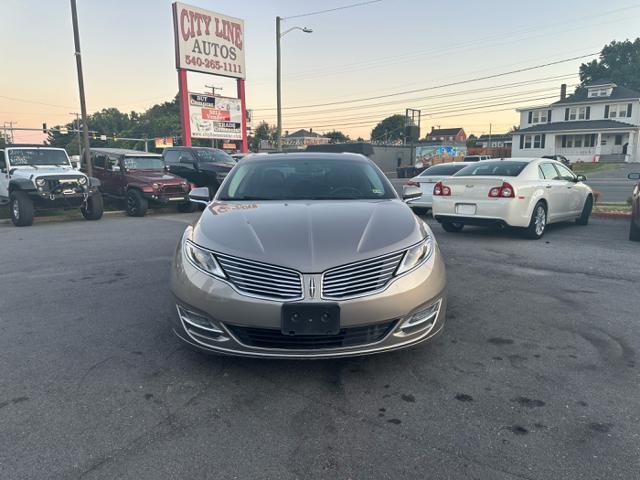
(300, 179)
(498, 168)
(143, 163)
(37, 156)
(445, 169)
(210, 155)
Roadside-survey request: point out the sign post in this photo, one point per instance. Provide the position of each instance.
(211, 43)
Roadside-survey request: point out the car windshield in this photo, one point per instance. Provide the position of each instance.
(213, 155)
(143, 163)
(443, 169)
(499, 168)
(298, 178)
(37, 156)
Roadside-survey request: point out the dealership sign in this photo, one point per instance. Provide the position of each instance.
(208, 42)
(215, 117)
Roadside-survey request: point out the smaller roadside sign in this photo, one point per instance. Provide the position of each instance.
(164, 142)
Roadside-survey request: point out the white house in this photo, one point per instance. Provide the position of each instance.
(598, 123)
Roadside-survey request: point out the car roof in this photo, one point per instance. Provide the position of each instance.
(125, 151)
(307, 156)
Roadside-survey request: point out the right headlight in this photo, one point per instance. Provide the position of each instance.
(416, 255)
(202, 259)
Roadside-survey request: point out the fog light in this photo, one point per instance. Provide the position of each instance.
(200, 328)
(423, 319)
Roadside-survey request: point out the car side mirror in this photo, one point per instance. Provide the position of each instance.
(410, 191)
(581, 178)
(634, 176)
(115, 168)
(199, 195)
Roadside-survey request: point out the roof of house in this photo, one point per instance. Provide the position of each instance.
(581, 94)
(495, 136)
(591, 125)
(302, 133)
(445, 131)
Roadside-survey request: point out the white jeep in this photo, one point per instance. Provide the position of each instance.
(42, 177)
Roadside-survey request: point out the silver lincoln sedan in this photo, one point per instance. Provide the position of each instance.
(307, 255)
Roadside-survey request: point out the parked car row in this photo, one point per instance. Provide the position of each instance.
(527, 193)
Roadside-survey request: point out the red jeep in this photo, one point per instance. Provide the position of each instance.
(140, 179)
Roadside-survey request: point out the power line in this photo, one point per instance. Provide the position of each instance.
(405, 102)
(331, 9)
(461, 82)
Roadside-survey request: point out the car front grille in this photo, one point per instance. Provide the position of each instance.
(65, 184)
(360, 278)
(275, 339)
(261, 279)
(172, 190)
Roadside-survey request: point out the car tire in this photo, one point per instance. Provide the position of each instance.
(21, 207)
(634, 232)
(420, 210)
(188, 207)
(452, 227)
(94, 208)
(137, 205)
(538, 223)
(583, 219)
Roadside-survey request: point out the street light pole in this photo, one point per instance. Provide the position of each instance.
(83, 105)
(278, 89)
(279, 78)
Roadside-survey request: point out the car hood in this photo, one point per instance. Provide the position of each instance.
(30, 172)
(308, 236)
(153, 177)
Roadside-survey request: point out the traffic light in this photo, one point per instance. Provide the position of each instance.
(44, 128)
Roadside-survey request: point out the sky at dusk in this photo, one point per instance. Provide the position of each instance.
(378, 49)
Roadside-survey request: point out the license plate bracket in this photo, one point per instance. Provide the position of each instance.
(310, 319)
(465, 208)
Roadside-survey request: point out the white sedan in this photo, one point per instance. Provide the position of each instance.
(427, 179)
(515, 192)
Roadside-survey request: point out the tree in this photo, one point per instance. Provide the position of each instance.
(471, 140)
(618, 62)
(263, 131)
(389, 130)
(337, 136)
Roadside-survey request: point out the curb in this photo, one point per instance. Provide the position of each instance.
(618, 215)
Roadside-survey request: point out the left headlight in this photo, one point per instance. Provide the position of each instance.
(416, 255)
(40, 182)
(82, 180)
(202, 259)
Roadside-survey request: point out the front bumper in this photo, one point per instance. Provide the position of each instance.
(382, 314)
(511, 212)
(160, 199)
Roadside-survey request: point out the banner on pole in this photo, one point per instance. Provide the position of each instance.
(215, 117)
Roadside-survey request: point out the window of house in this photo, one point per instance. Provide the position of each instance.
(539, 116)
(582, 113)
(573, 113)
(618, 110)
(618, 140)
(569, 141)
(577, 141)
(536, 141)
(527, 141)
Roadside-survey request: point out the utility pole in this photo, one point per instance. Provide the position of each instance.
(9, 138)
(78, 134)
(83, 105)
(490, 146)
(278, 89)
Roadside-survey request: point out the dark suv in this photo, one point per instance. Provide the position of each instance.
(140, 179)
(204, 167)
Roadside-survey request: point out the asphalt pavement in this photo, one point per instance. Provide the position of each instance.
(535, 377)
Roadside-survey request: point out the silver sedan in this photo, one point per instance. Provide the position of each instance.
(426, 181)
(307, 256)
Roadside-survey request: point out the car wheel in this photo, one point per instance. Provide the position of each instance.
(187, 207)
(94, 208)
(583, 219)
(21, 209)
(420, 210)
(136, 204)
(634, 232)
(538, 223)
(452, 227)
